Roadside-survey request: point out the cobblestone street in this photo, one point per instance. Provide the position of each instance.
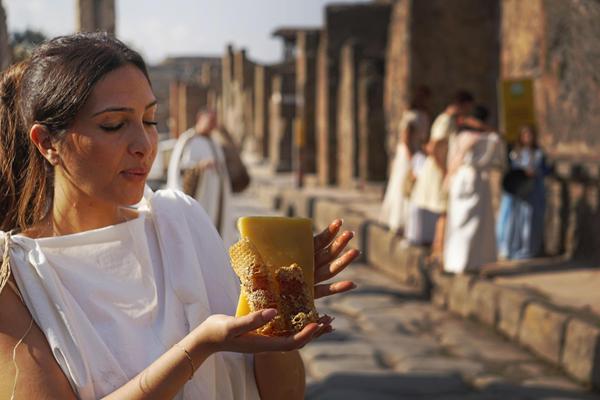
(391, 344)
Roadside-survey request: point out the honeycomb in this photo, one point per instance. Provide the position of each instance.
(282, 288)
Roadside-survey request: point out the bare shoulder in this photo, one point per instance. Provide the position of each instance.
(39, 377)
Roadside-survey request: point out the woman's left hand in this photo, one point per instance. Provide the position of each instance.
(329, 263)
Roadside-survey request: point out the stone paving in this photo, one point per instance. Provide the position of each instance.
(391, 344)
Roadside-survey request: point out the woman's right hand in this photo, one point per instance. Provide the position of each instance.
(226, 333)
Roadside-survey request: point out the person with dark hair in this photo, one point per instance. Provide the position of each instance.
(428, 200)
(520, 223)
(114, 291)
(412, 135)
(470, 240)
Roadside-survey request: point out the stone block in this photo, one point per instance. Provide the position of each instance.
(581, 352)
(441, 288)
(460, 293)
(542, 330)
(391, 253)
(483, 302)
(511, 304)
(378, 245)
(325, 211)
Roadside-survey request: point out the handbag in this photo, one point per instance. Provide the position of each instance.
(518, 183)
(191, 180)
(238, 173)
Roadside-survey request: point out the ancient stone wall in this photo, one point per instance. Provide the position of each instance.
(96, 15)
(556, 43)
(455, 45)
(365, 23)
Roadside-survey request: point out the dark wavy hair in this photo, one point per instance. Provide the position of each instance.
(50, 88)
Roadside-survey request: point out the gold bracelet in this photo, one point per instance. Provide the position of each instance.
(189, 357)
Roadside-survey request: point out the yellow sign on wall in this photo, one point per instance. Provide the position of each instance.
(516, 106)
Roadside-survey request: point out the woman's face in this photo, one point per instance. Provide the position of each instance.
(109, 149)
(526, 137)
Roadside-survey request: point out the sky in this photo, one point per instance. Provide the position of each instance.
(161, 28)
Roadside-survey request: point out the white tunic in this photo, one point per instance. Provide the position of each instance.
(112, 300)
(428, 193)
(470, 239)
(395, 206)
(214, 189)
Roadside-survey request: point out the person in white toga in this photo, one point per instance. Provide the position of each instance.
(199, 153)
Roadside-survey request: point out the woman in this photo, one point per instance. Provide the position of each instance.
(470, 240)
(428, 199)
(413, 133)
(115, 293)
(521, 220)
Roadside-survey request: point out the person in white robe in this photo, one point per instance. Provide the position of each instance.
(470, 239)
(428, 198)
(413, 133)
(199, 148)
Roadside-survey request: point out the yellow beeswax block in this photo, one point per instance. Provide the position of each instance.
(242, 308)
(281, 241)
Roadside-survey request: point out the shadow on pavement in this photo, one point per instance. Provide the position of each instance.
(427, 386)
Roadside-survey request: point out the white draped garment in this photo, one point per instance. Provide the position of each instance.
(395, 206)
(214, 189)
(112, 300)
(470, 240)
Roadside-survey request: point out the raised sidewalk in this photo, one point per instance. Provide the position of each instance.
(550, 306)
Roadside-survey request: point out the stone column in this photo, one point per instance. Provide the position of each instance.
(372, 158)
(306, 52)
(5, 51)
(281, 117)
(96, 15)
(174, 128)
(262, 93)
(325, 117)
(347, 116)
(397, 70)
(186, 99)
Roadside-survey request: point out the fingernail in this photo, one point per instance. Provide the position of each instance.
(269, 313)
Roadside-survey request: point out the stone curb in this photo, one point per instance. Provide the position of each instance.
(557, 335)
